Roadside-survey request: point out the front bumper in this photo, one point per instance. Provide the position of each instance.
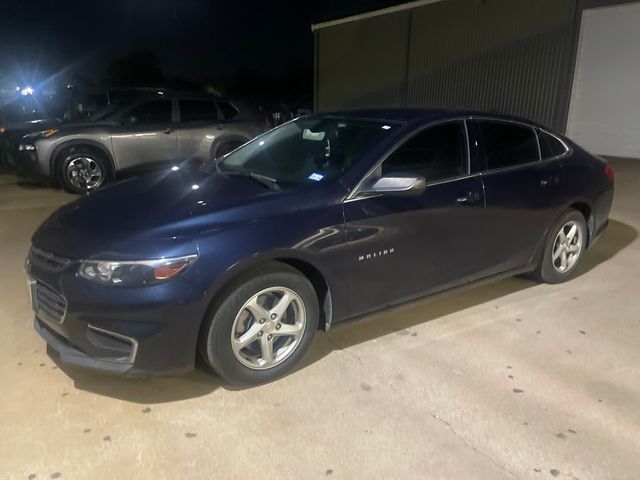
(27, 165)
(143, 331)
(7, 162)
(68, 354)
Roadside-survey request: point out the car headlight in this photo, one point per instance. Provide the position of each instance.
(134, 273)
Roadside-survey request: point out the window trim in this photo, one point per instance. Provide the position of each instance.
(567, 149)
(353, 195)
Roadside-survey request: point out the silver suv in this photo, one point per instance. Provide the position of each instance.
(163, 129)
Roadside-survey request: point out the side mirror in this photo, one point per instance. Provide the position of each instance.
(397, 184)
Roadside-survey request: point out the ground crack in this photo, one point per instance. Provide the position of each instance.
(468, 445)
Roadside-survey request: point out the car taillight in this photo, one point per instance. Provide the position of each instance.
(608, 171)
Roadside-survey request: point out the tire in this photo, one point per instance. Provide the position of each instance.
(251, 309)
(83, 170)
(559, 263)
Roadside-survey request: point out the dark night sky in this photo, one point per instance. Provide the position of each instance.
(192, 38)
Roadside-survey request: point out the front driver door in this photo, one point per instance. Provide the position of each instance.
(146, 136)
(401, 247)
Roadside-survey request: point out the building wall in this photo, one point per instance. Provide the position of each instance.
(511, 56)
(362, 63)
(605, 107)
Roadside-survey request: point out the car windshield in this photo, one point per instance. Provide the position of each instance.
(307, 150)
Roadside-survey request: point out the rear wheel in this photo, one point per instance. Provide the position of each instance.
(261, 327)
(564, 249)
(83, 170)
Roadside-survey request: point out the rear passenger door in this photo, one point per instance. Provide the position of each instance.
(198, 128)
(522, 193)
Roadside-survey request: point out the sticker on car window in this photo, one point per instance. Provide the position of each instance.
(313, 136)
(316, 177)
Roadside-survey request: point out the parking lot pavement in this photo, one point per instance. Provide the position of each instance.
(506, 380)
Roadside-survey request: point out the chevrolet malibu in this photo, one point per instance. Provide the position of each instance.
(323, 219)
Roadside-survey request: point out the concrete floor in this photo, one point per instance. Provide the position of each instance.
(508, 380)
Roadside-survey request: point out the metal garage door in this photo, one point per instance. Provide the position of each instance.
(604, 113)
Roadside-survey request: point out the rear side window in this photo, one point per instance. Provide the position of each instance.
(155, 111)
(508, 144)
(437, 153)
(550, 146)
(227, 109)
(198, 111)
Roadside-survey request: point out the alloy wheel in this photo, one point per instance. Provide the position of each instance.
(567, 247)
(268, 328)
(84, 173)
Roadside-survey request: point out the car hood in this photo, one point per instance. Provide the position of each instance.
(164, 211)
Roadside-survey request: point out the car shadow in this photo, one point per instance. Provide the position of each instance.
(400, 320)
(145, 391)
(615, 239)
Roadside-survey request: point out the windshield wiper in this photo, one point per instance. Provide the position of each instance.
(268, 182)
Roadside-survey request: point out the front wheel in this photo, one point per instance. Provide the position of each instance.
(262, 326)
(83, 171)
(564, 249)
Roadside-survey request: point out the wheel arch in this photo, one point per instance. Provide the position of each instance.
(320, 285)
(219, 142)
(53, 160)
(307, 267)
(587, 212)
(581, 205)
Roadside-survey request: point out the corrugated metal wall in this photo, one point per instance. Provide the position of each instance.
(511, 56)
(362, 63)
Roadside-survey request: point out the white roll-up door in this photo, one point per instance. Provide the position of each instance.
(604, 114)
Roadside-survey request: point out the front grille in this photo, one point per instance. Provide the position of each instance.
(49, 304)
(48, 261)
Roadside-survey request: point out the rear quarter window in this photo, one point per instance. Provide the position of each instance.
(229, 112)
(550, 146)
(198, 111)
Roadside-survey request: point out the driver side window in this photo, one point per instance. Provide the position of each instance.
(437, 153)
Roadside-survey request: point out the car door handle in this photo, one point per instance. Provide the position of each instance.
(469, 198)
(168, 130)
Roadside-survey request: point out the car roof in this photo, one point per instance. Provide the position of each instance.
(421, 115)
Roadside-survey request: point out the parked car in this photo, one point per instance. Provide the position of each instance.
(33, 114)
(19, 115)
(168, 128)
(323, 219)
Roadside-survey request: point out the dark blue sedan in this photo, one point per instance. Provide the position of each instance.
(323, 219)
